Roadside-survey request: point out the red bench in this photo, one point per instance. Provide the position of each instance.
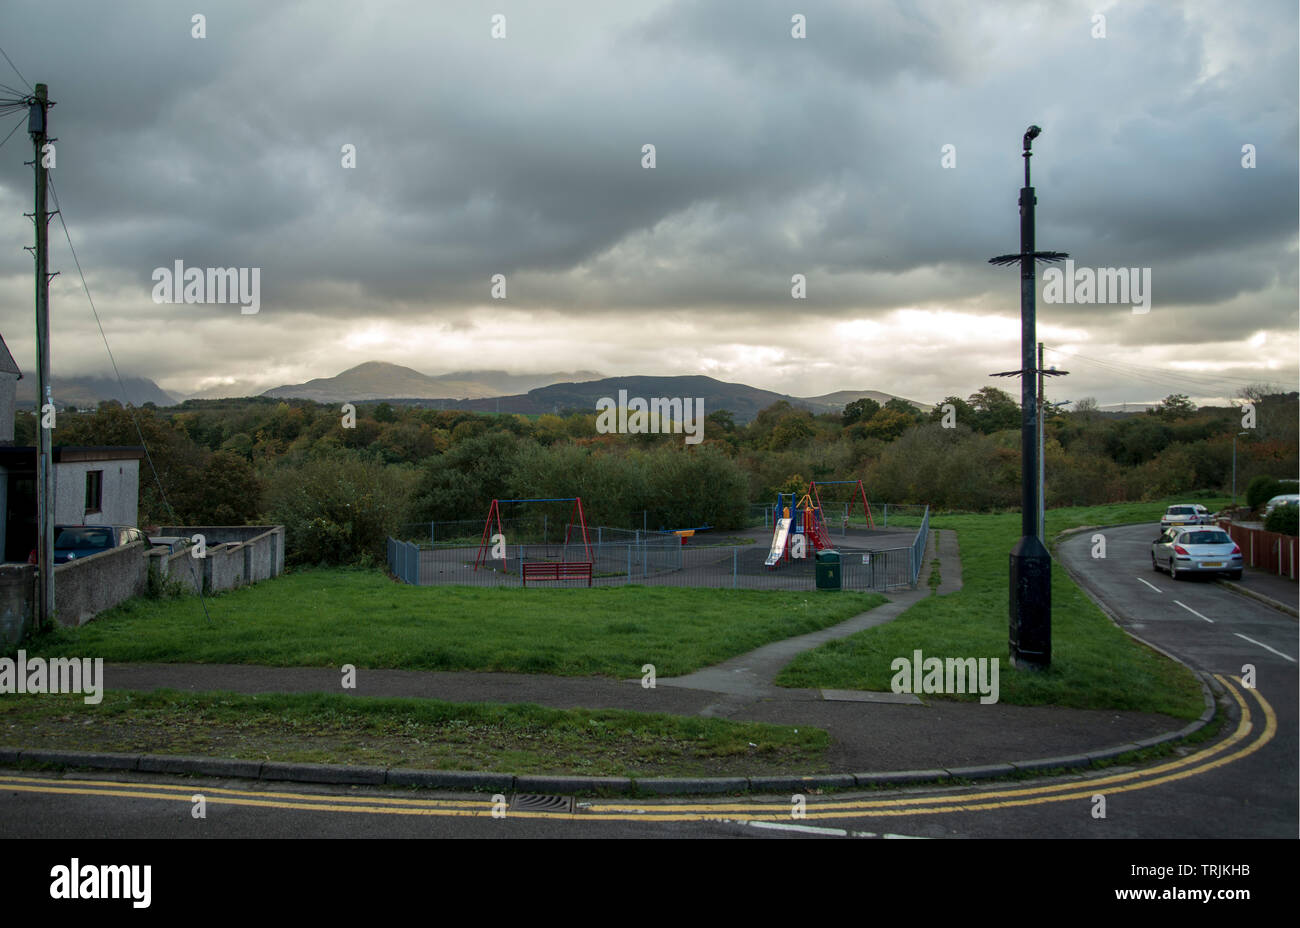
(557, 570)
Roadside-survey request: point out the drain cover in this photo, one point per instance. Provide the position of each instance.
(528, 802)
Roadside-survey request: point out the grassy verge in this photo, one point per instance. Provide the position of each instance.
(327, 618)
(420, 733)
(1094, 664)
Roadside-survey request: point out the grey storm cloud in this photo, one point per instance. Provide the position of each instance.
(775, 156)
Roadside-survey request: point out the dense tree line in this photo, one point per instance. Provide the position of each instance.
(341, 486)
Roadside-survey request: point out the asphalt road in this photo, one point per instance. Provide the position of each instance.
(1241, 784)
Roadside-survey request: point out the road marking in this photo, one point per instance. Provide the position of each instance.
(1193, 611)
(1082, 789)
(804, 829)
(1265, 647)
(1152, 585)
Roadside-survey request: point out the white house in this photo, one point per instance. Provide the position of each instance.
(92, 485)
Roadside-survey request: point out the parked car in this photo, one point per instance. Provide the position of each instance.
(172, 543)
(1286, 499)
(1185, 514)
(1189, 550)
(74, 541)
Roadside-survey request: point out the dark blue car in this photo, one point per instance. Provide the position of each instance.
(76, 541)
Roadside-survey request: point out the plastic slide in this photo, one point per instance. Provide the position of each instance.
(779, 539)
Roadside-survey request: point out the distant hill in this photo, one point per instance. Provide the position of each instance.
(379, 380)
(87, 392)
(1127, 407)
(742, 400)
(841, 398)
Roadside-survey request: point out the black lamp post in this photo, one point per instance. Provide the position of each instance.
(1031, 566)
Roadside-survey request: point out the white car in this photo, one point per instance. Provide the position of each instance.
(1286, 499)
(1184, 514)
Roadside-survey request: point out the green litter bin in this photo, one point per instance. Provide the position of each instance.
(828, 570)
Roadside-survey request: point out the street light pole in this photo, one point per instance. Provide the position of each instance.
(1234, 466)
(1030, 600)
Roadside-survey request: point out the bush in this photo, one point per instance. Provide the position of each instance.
(339, 507)
(1284, 519)
(1263, 488)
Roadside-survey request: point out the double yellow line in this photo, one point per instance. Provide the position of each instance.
(1236, 746)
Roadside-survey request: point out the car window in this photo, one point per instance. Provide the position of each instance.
(1206, 538)
(71, 538)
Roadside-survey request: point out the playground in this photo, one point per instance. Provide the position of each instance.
(558, 548)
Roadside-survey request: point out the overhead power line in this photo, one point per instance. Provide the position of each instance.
(54, 193)
(16, 71)
(1163, 378)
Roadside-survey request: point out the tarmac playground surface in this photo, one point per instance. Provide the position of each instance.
(871, 559)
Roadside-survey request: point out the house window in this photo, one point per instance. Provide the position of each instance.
(94, 490)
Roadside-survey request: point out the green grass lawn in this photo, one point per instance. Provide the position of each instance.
(327, 618)
(420, 733)
(1095, 665)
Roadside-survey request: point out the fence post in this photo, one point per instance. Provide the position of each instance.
(735, 563)
(629, 563)
(886, 525)
(432, 529)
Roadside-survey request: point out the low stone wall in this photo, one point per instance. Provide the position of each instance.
(83, 588)
(87, 586)
(178, 567)
(260, 547)
(17, 599)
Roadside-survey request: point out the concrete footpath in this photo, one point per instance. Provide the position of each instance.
(876, 737)
(1278, 592)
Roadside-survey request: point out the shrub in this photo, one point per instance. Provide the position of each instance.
(1284, 519)
(339, 506)
(1263, 488)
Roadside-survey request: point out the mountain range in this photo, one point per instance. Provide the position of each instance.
(483, 391)
(550, 393)
(378, 380)
(87, 392)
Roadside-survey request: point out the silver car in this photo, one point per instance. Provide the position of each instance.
(1183, 551)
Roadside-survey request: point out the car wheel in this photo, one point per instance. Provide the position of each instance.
(1173, 571)
(1154, 564)
(1234, 575)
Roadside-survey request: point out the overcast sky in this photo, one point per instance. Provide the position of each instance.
(774, 156)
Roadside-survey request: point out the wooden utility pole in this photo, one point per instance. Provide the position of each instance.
(38, 112)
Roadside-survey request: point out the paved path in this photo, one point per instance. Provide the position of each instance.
(751, 675)
(1260, 584)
